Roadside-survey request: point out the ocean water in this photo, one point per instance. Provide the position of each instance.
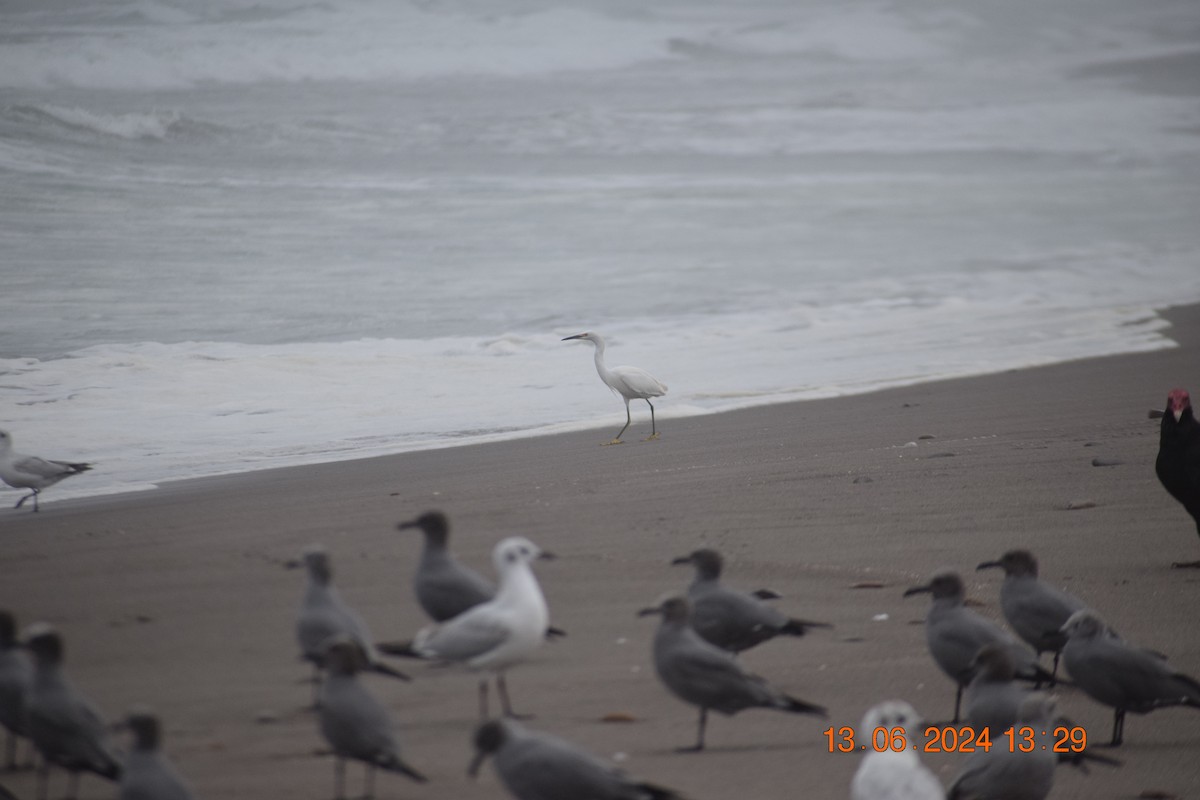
(238, 235)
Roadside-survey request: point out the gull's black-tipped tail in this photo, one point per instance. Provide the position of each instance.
(797, 706)
(109, 769)
(394, 764)
(799, 627)
(384, 669)
(402, 649)
(653, 792)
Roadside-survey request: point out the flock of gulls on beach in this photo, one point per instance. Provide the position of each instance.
(490, 628)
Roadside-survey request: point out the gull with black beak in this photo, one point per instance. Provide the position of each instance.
(733, 620)
(324, 615)
(706, 676)
(1035, 609)
(63, 725)
(540, 766)
(1122, 676)
(444, 586)
(149, 775)
(493, 636)
(955, 634)
(631, 383)
(354, 722)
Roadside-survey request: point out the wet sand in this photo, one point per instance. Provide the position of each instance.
(182, 598)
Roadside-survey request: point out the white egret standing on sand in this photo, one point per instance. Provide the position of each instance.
(629, 382)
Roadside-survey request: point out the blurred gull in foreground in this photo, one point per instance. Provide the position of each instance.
(324, 615)
(955, 634)
(148, 774)
(998, 774)
(893, 774)
(495, 635)
(993, 698)
(21, 471)
(16, 675)
(354, 722)
(706, 676)
(733, 620)
(1119, 675)
(539, 766)
(64, 727)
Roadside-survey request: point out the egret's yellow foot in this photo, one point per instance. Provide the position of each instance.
(650, 438)
(614, 441)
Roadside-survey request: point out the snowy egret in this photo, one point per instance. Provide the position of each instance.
(22, 471)
(629, 382)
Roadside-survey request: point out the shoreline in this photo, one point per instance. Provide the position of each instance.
(574, 428)
(180, 597)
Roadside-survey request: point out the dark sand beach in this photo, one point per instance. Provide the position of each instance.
(180, 598)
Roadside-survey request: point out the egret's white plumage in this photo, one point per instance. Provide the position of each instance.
(893, 774)
(631, 383)
(22, 471)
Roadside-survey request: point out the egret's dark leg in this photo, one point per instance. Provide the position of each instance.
(617, 440)
(653, 429)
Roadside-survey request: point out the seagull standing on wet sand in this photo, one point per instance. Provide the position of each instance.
(1122, 676)
(706, 676)
(495, 635)
(631, 383)
(955, 634)
(21, 471)
(733, 620)
(444, 586)
(1034, 609)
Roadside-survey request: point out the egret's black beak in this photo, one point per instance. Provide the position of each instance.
(569, 338)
